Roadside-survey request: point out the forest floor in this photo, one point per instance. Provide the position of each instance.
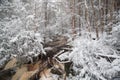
(43, 67)
(80, 58)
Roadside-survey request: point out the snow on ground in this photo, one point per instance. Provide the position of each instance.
(96, 59)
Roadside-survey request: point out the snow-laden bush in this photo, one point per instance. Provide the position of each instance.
(4, 47)
(91, 59)
(114, 39)
(26, 45)
(116, 36)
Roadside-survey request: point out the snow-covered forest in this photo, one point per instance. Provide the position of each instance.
(59, 39)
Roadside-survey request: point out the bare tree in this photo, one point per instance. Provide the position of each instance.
(45, 12)
(73, 17)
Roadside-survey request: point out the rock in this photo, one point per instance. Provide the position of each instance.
(46, 75)
(19, 73)
(11, 64)
(7, 74)
(26, 71)
(33, 67)
(27, 75)
(4, 61)
(57, 69)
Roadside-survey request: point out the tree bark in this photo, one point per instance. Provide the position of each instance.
(73, 17)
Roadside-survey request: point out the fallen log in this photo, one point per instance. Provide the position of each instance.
(109, 58)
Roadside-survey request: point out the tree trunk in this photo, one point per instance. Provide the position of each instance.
(45, 9)
(73, 17)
